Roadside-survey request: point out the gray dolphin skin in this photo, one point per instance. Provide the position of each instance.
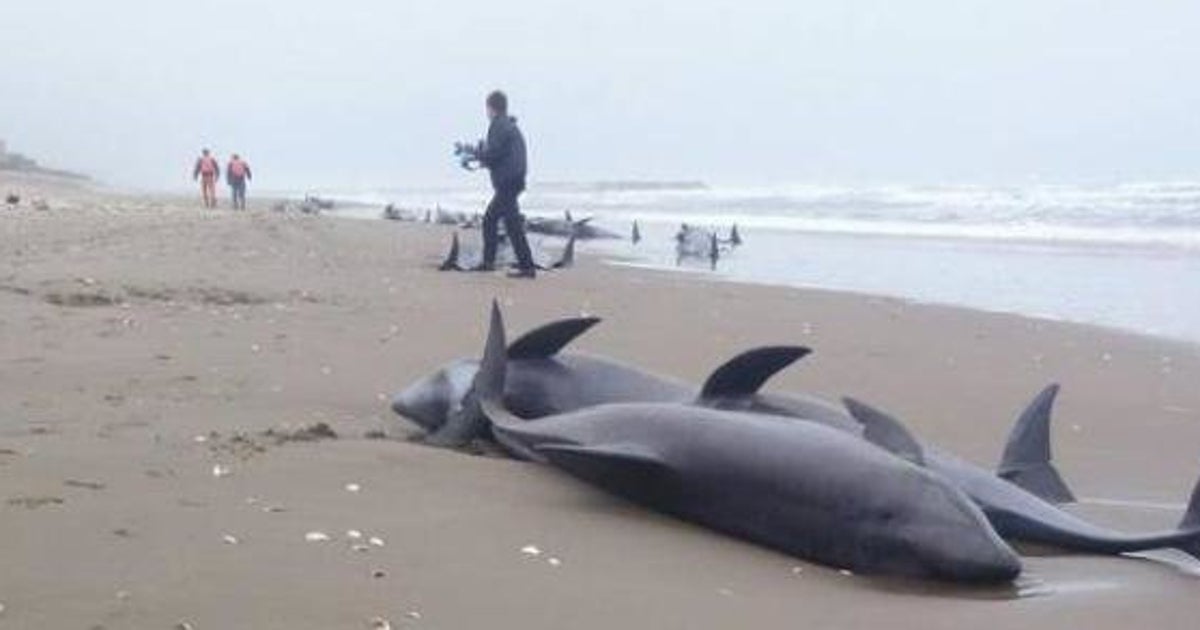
(454, 260)
(801, 488)
(545, 381)
(568, 227)
(1018, 514)
(1018, 499)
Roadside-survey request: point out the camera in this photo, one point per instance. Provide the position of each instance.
(468, 154)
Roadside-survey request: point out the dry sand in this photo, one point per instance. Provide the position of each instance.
(144, 341)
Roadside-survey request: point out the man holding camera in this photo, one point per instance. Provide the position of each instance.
(503, 154)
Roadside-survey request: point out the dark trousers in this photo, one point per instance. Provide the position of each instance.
(239, 193)
(503, 207)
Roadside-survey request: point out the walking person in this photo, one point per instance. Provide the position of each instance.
(504, 156)
(237, 173)
(208, 171)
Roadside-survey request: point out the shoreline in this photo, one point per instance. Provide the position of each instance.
(148, 346)
(1034, 318)
(1137, 287)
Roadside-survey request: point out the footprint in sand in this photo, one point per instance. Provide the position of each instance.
(90, 485)
(33, 503)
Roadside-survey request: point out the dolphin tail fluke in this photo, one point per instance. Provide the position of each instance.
(745, 374)
(451, 261)
(1027, 460)
(568, 255)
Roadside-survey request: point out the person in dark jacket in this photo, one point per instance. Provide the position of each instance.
(504, 156)
(237, 173)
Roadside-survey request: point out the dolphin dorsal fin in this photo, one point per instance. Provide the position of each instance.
(451, 261)
(745, 373)
(886, 432)
(1026, 460)
(546, 341)
(626, 464)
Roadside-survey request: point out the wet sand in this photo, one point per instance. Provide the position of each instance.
(146, 343)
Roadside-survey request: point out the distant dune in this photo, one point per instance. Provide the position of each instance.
(23, 164)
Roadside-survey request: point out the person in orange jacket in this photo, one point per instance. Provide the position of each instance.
(208, 172)
(237, 173)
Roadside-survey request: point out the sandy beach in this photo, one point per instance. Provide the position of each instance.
(159, 364)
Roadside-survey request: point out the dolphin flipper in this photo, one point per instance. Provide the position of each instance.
(745, 373)
(458, 431)
(485, 401)
(568, 255)
(1191, 520)
(886, 432)
(471, 422)
(622, 465)
(451, 261)
(1026, 460)
(546, 341)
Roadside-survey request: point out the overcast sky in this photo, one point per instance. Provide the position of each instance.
(373, 92)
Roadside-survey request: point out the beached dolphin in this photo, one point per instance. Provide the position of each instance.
(450, 217)
(456, 260)
(567, 227)
(694, 242)
(735, 238)
(543, 381)
(1018, 514)
(394, 213)
(801, 488)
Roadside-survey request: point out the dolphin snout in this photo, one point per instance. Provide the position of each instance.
(995, 563)
(416, 404)
(960, 542)
(401, 404)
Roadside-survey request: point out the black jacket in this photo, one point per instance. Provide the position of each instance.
(504, 153)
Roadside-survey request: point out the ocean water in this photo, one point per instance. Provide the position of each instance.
(1124, 256)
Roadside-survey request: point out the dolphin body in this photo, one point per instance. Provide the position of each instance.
(1018, 514)
(542, 381)
(567, 227)
(457, 260)
(1019, 498)
(697, 243)
(393, 212)
(802, 488)
(450, 217)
